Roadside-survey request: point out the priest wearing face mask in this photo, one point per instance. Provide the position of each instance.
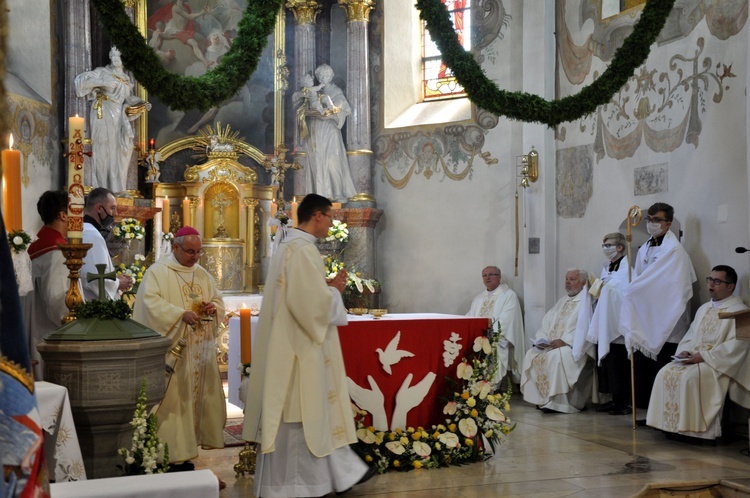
(655, 309)
(99, 214)
(604, 329)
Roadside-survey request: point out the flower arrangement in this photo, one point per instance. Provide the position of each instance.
(145, 445)
(19, 240)
(245, 369)
(354, 280)
(167, 237)
(338, 232)
(475, 414)
(135, 271)
(129, 229)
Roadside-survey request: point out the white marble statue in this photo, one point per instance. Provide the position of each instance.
(113, 108)
(154, 170)
(327, 172)
(216, 146)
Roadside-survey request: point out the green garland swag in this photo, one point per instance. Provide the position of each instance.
(532, 108)
(186, 92)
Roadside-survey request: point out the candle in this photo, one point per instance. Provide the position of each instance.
(272, 215)
(165, 215)
(75, 177)
(185, 211)
(246, 346)
(11, 162)
(294, 213)
(151, 143)
(336, 205)
(158, 203)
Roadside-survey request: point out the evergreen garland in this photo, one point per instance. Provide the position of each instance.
(532, 108)
(104, 310)
(186, 92)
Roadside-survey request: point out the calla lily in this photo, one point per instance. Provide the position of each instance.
(464, 371)
(494, 413)
(468, 427)
(481, 388)
(421, 449)
(482, 343)
(450, 408)
(366, 436)
(395, 447)
(449, 439)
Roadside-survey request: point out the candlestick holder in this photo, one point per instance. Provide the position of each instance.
(74, 252)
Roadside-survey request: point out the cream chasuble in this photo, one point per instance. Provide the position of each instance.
(688, 398)
(298, 370)
(502, 305)
(552, 378)
(193, 411)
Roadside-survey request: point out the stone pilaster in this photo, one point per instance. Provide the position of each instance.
(360, 250)
(76, 47)
(358, 94)
(305, 12)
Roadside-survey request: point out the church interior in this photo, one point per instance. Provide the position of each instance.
(435, 187)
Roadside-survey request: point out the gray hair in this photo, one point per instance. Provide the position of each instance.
(582, 274)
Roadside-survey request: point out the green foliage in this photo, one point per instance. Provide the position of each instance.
(104, 310)
(532, 108)
(185, 92)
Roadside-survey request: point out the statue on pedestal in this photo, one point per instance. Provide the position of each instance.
(114, 107)
(327, 171)
(153, 173)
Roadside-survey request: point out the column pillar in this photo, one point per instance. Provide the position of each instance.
(305, 12)
(358, 93)
(76, 48)
(250, 205)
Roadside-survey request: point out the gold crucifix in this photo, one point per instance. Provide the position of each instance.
(278, 167)
(221, 202)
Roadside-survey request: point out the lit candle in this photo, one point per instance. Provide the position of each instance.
(151, 143)
(75, 177)
(246, 346)
(294, 213)
(11, 162)
(336, 205)
(185, 211)
(165, 215)
(272, 215)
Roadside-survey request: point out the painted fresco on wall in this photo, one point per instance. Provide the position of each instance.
(652, 179)
(190, 37)
(574, 180)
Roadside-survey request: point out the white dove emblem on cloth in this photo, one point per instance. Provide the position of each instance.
(392, 354)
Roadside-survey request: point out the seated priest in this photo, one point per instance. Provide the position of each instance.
(500, 304)
(551, 378)
(689, 393)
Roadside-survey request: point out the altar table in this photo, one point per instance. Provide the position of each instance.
(195, 484)
(61, 449)
(423, 334)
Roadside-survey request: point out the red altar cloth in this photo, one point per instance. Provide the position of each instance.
(422, 334)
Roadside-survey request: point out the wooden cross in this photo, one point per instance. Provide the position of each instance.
(100, 276)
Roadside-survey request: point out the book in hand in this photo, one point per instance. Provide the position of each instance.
(680, 358)
(542, 344)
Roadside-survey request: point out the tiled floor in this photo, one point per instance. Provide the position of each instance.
(588, 454)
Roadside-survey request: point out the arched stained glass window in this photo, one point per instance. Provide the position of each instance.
(438, 81)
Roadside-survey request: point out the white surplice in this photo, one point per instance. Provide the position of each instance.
(605, 322)
(552, 378)
(688, 398)
(502, 305)
(655, 305)
(98, 254)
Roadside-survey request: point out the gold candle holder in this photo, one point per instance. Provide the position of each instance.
(74, 252)
(246, 461)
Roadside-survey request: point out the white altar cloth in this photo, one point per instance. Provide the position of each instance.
(233, 302)
(61, 449)
(195, 484)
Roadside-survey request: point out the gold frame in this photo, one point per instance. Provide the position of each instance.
(281, 72)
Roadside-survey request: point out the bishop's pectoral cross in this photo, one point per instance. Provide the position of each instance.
(221, 202)
(101, 276)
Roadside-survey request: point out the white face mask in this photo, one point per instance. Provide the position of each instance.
(610, 252)
(653, 229)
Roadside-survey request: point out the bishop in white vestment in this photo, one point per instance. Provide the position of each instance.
(552, 379)
(500, 304)
(179, 299)
(689, 393)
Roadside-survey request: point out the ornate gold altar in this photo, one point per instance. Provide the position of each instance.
(221, 198)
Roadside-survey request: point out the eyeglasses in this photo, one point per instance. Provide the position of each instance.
(651, 219)
(716, 281)
(327, 214)
(485, 275)
(192, 252)
(607, 246)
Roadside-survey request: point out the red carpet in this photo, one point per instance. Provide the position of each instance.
(233, 433)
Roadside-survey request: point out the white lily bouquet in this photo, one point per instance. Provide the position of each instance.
(19, 242)
(338, 232)
(145, 446)
(129, 229)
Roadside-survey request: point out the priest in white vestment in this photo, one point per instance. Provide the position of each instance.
(297, 404)
(655, 311)
(44, 307)
(500, 304)
(689, 393)
(604, 329)
(179, 299)
(551, 378)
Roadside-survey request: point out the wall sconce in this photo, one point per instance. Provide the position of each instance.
(528, 165)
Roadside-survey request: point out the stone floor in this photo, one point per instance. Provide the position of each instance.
(588, 454)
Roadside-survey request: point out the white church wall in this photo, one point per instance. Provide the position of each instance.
(706, 180)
